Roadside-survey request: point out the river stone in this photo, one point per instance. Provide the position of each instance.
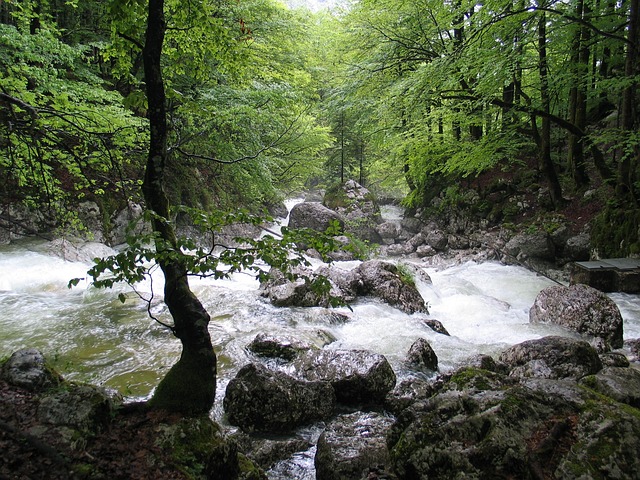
(80, 407)
(531, 245)
(358, 376)
(582, 309)
(27, 369)
(614, 359)
(382, 279)
(436, 239)
(388, 231)
(399, 249)
(436, 326)
(620, 383)
(538, 429)
(268, 346)
(263, 400)
(421, 355)
(313, 215)
(352, 446)
(578, 248)
(552, 357)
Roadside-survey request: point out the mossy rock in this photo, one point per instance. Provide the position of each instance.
(198, 448)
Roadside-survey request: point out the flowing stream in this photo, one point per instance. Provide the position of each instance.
(91, 336)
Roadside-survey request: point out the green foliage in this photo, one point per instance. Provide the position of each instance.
(208, 258)
(64, 136)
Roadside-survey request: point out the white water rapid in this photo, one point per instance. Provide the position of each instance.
(91, 336)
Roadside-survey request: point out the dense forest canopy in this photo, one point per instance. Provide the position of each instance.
(263, 100)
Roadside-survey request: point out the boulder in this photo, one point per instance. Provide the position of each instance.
(28, 369)
(437, 239)
(313, 215)
(536, 429)
(552, 357)
(388, 231)
(524, 246)
(265, 345)
(382, 279)
(359, 209)
(400, 249)
(620, 383)
(263, 400)
(358, 376)
(421, 355)
(282, 292)
(82, 408)
(582, 309)
(578, 248)
(425, 251)
(352, 446)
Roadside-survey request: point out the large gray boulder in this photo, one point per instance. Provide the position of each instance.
(384, 280)
(358, 376)
(83, 408)
(620, 383)
(358, 207)
(582, 309)
(552, 357)
(263, 400)
(313, 215)
(372, 278)
(28, 369)
(524, 246)
(537, 428)
(352, 446)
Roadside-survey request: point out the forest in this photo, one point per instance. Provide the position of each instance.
(411, 99)
(215, 111)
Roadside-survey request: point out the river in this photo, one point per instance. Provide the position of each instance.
(89, 335)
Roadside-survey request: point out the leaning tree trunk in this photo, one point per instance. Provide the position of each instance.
(190, 385)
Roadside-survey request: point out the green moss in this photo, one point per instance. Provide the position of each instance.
(475, 378)
(406, 275)
(614, 232)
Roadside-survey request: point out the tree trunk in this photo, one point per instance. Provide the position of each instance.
(190, 385)
(546, 162)
(578, 97)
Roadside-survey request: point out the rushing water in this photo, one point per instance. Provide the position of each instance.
(91, 336)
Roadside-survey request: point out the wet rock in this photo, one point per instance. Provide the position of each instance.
(536, 429)
(388, 231)
(425, 251)
(268, 346)
(127, 221)
(80, 407)
(352, 445)
(409, 392)
(582, 309)
(358, 376)
(313, 215)
(28, 369)
(400, 249)
(79, 251)
(383, 280)
(578, 248)
(614, 359)
(634, 347)
(263, 400)
(437, 239)
(421, 355)
(436, 326)
(620, 383)
(524, 246)
(411, 225)
(282, 292)
(552, 357)
(484, 362)
(266, 451)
